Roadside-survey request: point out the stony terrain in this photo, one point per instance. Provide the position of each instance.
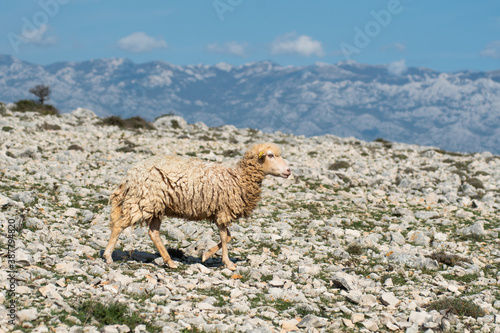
(454, 111)
(365, 236)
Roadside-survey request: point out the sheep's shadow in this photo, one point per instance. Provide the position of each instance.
(175, 254)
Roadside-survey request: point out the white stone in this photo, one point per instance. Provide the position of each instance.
(70, 212)
(30, 314)
(367, 300)
(357, 317)
(370, 325)
(309, 269)
(389, 299)
(419, 317)
(345, 280)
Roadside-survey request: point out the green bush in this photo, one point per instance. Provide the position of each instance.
(457, 306)
(448, 259)
(339, 165)
(133, 123)
(354, 249)
(31, 105)
(385, 143)
(111, 314)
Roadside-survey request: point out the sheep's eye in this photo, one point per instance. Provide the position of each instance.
(270, 155)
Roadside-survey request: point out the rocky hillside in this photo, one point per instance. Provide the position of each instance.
(365, 236)
(455, 111)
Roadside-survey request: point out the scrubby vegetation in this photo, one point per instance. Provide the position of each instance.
(457, 306)
(134, 123)
(26, 105)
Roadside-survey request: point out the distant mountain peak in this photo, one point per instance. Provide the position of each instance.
(455, 111)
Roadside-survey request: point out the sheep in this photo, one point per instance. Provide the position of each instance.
(192, 189)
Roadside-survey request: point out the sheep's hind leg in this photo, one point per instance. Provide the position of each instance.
(115, 233)
(154, 233)
(224, 235)
(216, 248)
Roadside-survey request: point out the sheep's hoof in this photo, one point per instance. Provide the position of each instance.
(231, 266)
(204, 257)
(108, 259)
(172, 265)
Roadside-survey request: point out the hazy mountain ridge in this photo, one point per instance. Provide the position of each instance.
(455, 111)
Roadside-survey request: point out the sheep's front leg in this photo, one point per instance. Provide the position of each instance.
(216, 248)
(154, 233)
(224, 235)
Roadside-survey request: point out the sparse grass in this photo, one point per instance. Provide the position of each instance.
(257, 300)
(457, 306)
(429, 168)
(222, 296)
(191, 330)
(467, 278)
(206, 138)
(231, 153)
(49, 127)
(462, 165)
(266, 278)
(282, 305)
(343, 177)
(400, 156)
(397, 279)
(472, 237)
(110, 314)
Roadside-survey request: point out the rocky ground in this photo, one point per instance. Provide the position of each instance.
(365, 236)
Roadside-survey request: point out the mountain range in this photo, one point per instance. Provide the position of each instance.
(457, 111)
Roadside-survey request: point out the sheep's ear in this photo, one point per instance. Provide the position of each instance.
(262, 154)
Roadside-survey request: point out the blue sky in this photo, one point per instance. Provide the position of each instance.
(443, 35)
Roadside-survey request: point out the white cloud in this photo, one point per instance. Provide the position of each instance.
(492, 50)
(232, 48)
(140, 42)
(38, 36)
(303, 45)
(397, 67)
(396, 46)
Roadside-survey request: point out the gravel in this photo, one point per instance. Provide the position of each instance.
(364, 236)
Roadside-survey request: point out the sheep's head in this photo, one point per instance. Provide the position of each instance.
(269, 156)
